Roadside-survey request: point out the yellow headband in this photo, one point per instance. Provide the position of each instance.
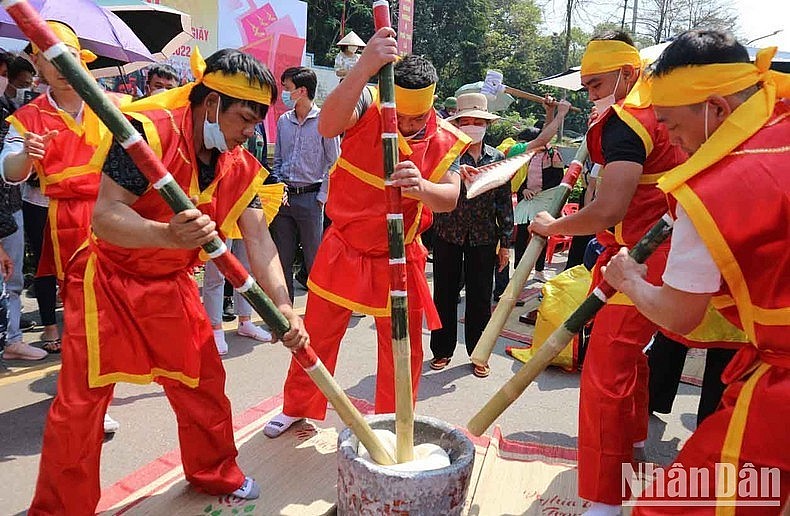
(603, 56)
(693, 84)
(67, 36)
(236, 85)
(414, 102)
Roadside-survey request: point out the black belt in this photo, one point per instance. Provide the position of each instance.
(296, 190)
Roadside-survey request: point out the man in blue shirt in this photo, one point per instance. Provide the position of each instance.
(302, 158)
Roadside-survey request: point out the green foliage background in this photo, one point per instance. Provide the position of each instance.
(464, 39)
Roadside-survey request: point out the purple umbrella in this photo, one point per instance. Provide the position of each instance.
(99, 30)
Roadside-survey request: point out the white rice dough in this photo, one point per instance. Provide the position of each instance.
(427, 456)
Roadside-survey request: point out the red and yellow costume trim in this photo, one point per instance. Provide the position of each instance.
(69, 175)
(357, 239)
(613, 409)
(147, 295)
(744, 159)
(351, 269)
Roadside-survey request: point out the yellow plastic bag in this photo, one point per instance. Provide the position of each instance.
(561, 296)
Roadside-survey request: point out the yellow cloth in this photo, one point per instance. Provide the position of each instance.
(67, 36)
(236, 85)
(603, 56)
(414, 102)
(271, 196)
(742, 123)
(693, 84)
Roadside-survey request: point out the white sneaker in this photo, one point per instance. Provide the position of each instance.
(247, 329)
(279, 424)
(110, 425)
(219, 341)
(539, 276)
(249, 490)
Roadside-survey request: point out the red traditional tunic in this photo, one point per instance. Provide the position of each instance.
(69, 174)
(740, 206)
(350, 271)
(613, 410)
(146, 297)
(648, 203)
(351, 267)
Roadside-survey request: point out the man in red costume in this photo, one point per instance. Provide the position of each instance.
(730, 244)
(350, 272)
(130, 290)
(62, 140)
(635, 151)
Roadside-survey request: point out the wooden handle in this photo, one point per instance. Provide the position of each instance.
(560, 338)
(487, 341)
(531, 96)
(514, 387)
(399, 312)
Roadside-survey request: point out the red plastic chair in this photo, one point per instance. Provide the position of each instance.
(559, 243)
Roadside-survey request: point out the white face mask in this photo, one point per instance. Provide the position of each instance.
(3, 83)
(19, 98)
(608, 101)
(212, 134)
(158, 90)
(475, 132)
(351, 49)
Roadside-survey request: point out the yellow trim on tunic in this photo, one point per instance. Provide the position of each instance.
(722, 255)
(347, 303)
(241, 204)
(412, 232)
(151, 134)
(365, 177)
(95, 378)
(650, 179)
(52, 217)
(635, 125)
(733, 440)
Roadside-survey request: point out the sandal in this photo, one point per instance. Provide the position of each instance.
(51, 346)
(437, 364)
(482, 371)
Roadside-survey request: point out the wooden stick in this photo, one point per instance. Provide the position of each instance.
(37, 31)
(532, 96)
(485, 345)
(399, 312)
(560, 338)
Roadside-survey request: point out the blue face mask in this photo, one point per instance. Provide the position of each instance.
(288, 99)
(213, 138)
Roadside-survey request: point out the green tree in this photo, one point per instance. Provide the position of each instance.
(323, 26)
(451, 34)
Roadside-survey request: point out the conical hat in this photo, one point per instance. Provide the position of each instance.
(351, 39)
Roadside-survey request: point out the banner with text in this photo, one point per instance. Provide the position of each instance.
(405, 26)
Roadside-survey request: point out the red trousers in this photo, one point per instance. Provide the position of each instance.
(68, 479)
(749, 429)
(326, 323)
(613, 408)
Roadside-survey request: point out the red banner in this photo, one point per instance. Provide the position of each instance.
(405, 26)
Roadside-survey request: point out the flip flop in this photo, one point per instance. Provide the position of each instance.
(437, 364)
(51, 346)
(482, 371)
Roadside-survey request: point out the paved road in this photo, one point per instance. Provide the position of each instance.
(545, 413)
